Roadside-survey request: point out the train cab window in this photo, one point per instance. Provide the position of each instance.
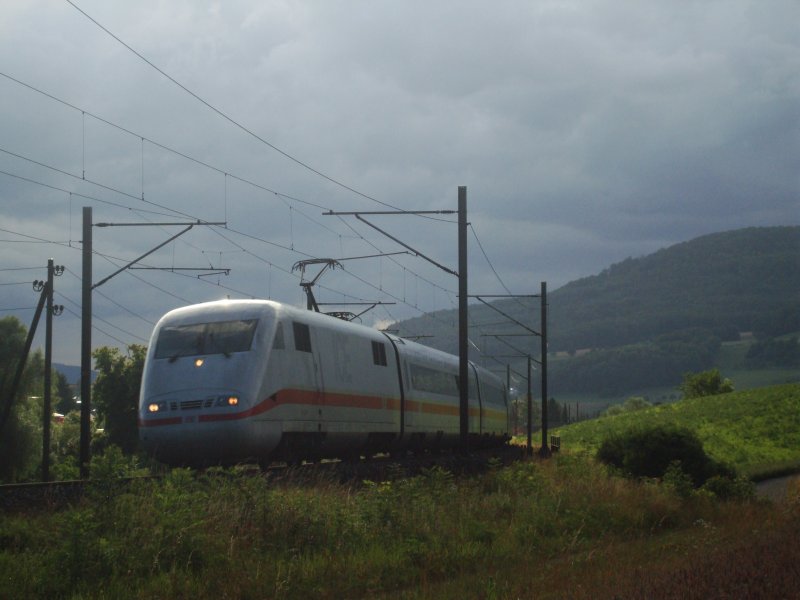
(278, 343)
(302, 337)
(219, 337)
(379, 354)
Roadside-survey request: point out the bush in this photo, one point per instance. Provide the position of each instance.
(727, 488)
(649, 452)
(707, 383)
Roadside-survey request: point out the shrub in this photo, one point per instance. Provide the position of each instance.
(632, 404)
(706, 383)
(649, 452)
(728, 488)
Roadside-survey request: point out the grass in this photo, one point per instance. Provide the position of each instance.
(556, 529)
(756, 431)
(562, 528)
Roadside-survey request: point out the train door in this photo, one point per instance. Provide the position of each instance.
(309, 375)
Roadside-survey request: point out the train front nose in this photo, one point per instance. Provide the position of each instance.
(195, 426)
(201, 386)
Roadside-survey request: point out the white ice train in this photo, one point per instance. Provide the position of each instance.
(242, 380)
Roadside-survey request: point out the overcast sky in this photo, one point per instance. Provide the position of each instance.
(585, 131)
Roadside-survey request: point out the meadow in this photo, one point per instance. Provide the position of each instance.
(561, 528)
(757, 431)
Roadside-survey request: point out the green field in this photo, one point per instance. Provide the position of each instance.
(757, 431)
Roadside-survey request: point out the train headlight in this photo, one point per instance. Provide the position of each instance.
(228, 400)
(199, 362)
(154, 407)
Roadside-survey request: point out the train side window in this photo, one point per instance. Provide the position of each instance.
(379, 354)
(278, 343)
(302, 337)
(426, 379)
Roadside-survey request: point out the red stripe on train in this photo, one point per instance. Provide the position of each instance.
(312, 398)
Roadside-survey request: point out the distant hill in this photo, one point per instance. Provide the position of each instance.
(72, 373)
(729, 282)
(644, 322)
(742, 280)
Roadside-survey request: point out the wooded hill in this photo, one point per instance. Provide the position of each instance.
(654, 317)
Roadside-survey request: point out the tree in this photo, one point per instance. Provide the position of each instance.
(65, 450)
(20, 437)
(116, 393)
(65, 399)
(706, 383)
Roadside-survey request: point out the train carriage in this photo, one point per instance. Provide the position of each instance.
(241, 380)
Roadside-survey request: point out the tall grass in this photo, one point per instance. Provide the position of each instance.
(230, 535)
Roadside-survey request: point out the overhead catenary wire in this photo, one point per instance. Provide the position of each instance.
(125, 308)
(157, 144)
(448, 293)
(83, 178)
(101, 319)
(283, 197)
(96, 328)
(73, 193)
(35, 238)
(246, 294)
(491, 266)
(227, 117)
(280, 195)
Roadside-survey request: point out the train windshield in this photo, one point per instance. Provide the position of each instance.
(224, 337)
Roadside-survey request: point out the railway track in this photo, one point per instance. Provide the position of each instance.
(53, 495)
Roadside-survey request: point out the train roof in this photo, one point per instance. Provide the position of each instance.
(227, 309)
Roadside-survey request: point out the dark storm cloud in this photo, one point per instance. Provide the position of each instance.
(586, 133)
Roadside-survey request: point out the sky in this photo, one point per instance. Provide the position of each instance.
(585, 132)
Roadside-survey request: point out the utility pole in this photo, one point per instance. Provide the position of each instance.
(508, 397)
(86, 344)
(463, 321)
(529, 447)
(86, 317)
(529, 395)
(544, 451)
(48, 364)
(463, 339)
(52, 310)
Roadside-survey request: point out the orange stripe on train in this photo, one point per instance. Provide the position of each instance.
(329, 400)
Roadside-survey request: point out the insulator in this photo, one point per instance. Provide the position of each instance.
(38, 285)
(58, 309)
(58, 270)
